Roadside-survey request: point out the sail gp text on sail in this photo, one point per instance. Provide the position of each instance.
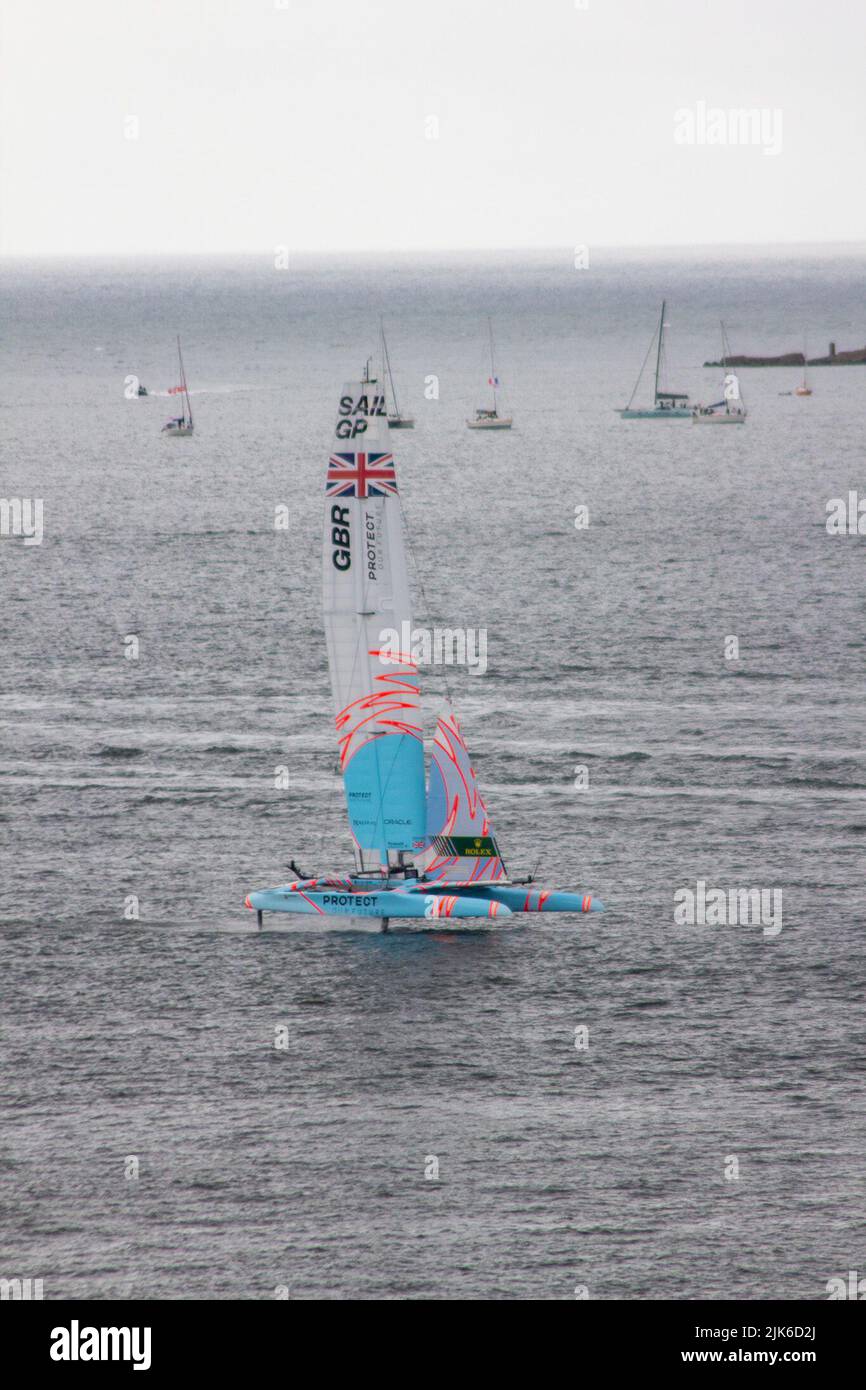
(352, 413)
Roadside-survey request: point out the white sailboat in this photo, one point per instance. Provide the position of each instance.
(396, 419)
(491, 419)
(804, 389)
(667, 405)
(424, 848)
(181, 424)
(731, 409)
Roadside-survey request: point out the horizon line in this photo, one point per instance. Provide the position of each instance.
(126, 253)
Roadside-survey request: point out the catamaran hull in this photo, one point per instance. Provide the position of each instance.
(175, 432)
(539, 899)
(385, 903)
(429, 901)
(403, 423)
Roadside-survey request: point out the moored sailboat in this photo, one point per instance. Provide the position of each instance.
(667, 405)
(182, 424)
(731, 409)
(423, 851)
(804, 389)
(396, 419)
(490, 419)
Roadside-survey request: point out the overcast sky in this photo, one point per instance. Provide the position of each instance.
(403, 124)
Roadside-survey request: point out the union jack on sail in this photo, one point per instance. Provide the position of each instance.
(361, 475)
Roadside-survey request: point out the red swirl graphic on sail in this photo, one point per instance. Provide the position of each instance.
(461, 847)
(370, 716)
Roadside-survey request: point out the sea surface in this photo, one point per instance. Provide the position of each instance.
(286, 1099)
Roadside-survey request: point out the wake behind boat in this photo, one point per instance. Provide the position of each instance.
(181, 424)
(667, 405)
(424, 847)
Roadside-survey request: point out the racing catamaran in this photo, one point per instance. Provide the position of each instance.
(422, 850)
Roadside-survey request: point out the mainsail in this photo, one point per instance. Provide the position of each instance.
(366, 591)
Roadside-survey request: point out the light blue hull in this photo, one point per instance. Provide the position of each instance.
(335, 902)
(530, 899)
(413, 898)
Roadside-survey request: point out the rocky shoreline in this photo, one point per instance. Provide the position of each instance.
(852, 358)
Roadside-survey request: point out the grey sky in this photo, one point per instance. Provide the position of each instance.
(308, 125)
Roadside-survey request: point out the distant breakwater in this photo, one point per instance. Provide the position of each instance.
(851, 358)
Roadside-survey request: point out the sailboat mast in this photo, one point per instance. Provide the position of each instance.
(805, 383)
(183, 381)
(659, 351)
(386, 367)
(492, 360)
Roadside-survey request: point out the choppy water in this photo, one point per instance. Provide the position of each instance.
(154, 1038)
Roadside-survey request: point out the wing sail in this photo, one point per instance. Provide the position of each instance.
(366, 592)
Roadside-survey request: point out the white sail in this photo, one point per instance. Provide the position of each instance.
(366, 592)
(732, 387)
